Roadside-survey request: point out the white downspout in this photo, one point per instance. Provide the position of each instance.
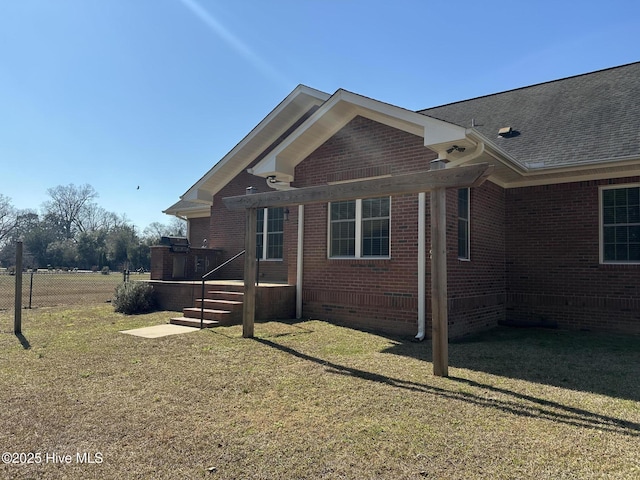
(276, 184)
(421, 265)
(300, 256)
(479, 150)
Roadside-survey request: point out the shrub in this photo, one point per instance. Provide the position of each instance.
(105, 270)
(134, 297)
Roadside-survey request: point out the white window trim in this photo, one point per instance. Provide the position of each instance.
(468, 257)
(601, 224)
(358, 239)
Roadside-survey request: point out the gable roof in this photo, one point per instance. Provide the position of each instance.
(339, 110)
(577, 128)
(576, 121)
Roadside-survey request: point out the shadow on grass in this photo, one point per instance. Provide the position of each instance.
(514, 403)
(23, 341)
(585, 361)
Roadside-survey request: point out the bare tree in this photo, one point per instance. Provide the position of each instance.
(155, 230)
(8, 218)
(72, 206)
(178, 227)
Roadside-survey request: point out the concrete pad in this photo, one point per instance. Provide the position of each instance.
(159, 331)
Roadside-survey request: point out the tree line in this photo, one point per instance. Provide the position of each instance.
(72, 231)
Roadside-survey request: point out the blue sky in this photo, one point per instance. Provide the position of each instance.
(152, 93)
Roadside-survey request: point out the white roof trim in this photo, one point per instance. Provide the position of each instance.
(188, 209)
(334, 114)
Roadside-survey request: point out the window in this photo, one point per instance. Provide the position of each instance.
(270, 241)
(464, 235)
(360, 228)
(620, 234)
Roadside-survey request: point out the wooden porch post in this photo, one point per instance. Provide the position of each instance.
(249, 303)
(439, 313)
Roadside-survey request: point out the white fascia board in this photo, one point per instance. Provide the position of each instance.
(188, 212)
(438, 132)
(273, 166)
(334, 114)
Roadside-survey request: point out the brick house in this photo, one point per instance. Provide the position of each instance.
(552, 238)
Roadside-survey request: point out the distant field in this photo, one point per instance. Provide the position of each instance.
(56, 289)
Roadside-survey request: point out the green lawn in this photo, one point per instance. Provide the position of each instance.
(311, 400)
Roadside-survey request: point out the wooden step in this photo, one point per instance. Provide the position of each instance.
(223, 317)
(236, 287)
(225, 295)
(219, 304)
(193, 322)
(222, 306)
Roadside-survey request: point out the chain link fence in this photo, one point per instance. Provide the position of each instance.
(51, 288)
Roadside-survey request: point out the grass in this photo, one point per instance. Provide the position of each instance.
(310, 400)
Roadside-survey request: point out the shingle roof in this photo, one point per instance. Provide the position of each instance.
(578, 120)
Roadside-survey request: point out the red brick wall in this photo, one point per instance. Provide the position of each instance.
(476, 287)
(198, 231)
(383, 294)
(553, 269)
(227, 231)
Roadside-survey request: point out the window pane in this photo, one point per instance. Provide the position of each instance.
(275, 232)
(621, 252)
(375, 227)
(367, 208)
(260, 216)
(621, 214)
(343, 236)
(608, 199)
(274, 245)
(621, 224)
(375, 207)
(609, 234)
(463, 223)
(373, 232)
(463, 203)
(276, 220)
(463, 236)
(610, 252)
(608, 214)
(273, 235)
(375, 238)
(622, 234)
(343, 210)
(260, 232)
